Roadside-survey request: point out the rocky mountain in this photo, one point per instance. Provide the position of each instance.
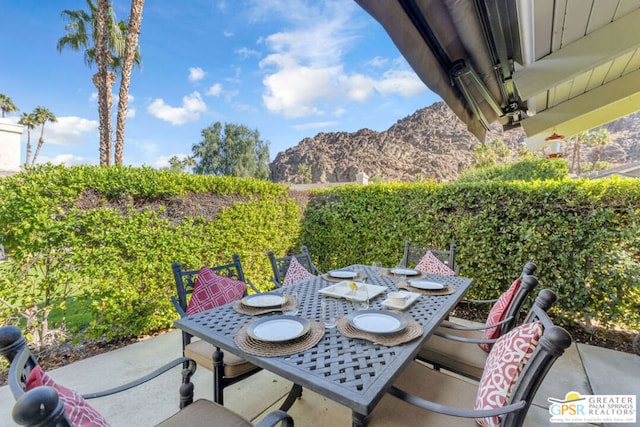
(432, 143)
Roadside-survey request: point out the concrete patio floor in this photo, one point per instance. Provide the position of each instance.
(583, 368)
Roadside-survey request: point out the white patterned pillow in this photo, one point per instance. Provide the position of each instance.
(431, 264)
(296, 273)
(504, 364)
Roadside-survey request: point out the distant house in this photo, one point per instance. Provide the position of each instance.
(10, 134)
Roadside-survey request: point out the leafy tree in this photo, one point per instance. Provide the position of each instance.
(578, 140)
(7, 105)
(30, 121)
(304, 171)
(529, 169)
(103, 41)
(129, 57)
(488, 154)
(598, 139)
(238, 151)
(42, 115)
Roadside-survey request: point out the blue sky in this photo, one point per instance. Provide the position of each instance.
(288, 68)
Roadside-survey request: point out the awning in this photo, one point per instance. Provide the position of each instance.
(550, 66)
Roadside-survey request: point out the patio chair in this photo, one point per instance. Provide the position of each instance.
(280, 267)
(42, 402)
(234, 368)
(503, 317)
(3, 254)
(412, 256)
(458, 350)
(517, 365)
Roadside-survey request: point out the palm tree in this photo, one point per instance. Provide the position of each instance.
(599, 139)
(7, 105)
(579, 139)
(30, 121)
(130, 51)
(103, 40)
(189, 162)
(42, 116)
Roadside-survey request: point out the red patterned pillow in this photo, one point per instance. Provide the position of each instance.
(213, 290)
(295, 273)
(431, 264)
(77, 410)
(504, 364)
(497, 314)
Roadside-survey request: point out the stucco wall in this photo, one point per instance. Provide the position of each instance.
(9, 147)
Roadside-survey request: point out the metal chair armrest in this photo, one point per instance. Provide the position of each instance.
(464, 339)
(146, 378)
(275, 417)
(176, 305)
(456, 412)
(252, 286)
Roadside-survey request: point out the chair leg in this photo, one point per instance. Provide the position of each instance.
(186, 389)
(294, 393)
(218, 376)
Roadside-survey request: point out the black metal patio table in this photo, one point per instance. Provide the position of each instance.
(353, 372)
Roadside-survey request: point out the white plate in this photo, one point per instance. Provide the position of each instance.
(278, 328)
(413, 296)
(405, 271)
(263, 300)
(425, 284)
(377, 322)
(342, 290)
(342, 274)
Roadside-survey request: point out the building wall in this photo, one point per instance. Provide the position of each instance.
(9, 147)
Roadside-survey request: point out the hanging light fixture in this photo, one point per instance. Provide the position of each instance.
(555, 145)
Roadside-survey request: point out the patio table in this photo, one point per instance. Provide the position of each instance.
(353, 372)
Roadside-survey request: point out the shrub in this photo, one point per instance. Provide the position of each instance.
(108, 235)
(582, 234)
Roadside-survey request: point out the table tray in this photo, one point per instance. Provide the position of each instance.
(342, 290)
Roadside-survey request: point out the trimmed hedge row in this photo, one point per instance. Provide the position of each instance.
(108, 236)
(584, 236)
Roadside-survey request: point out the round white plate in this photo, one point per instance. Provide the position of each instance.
(425, 284)
(278, 328)
(377, 322)
(343, 274)
(405, 271)
(263, 300)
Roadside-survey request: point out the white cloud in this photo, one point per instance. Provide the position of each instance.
(196, 74)
(67, 131)
(214, 90)
(402, 82)
(66, 159)
(306, 72)
(192, 106)
(314, 125)
(378, 62)
(227, 34)
(131, 113)
(245, 53)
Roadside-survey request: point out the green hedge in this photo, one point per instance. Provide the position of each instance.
(104, 238)
(107, 236)
(583, 235)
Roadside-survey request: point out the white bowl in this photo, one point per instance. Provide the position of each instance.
(398, 298)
